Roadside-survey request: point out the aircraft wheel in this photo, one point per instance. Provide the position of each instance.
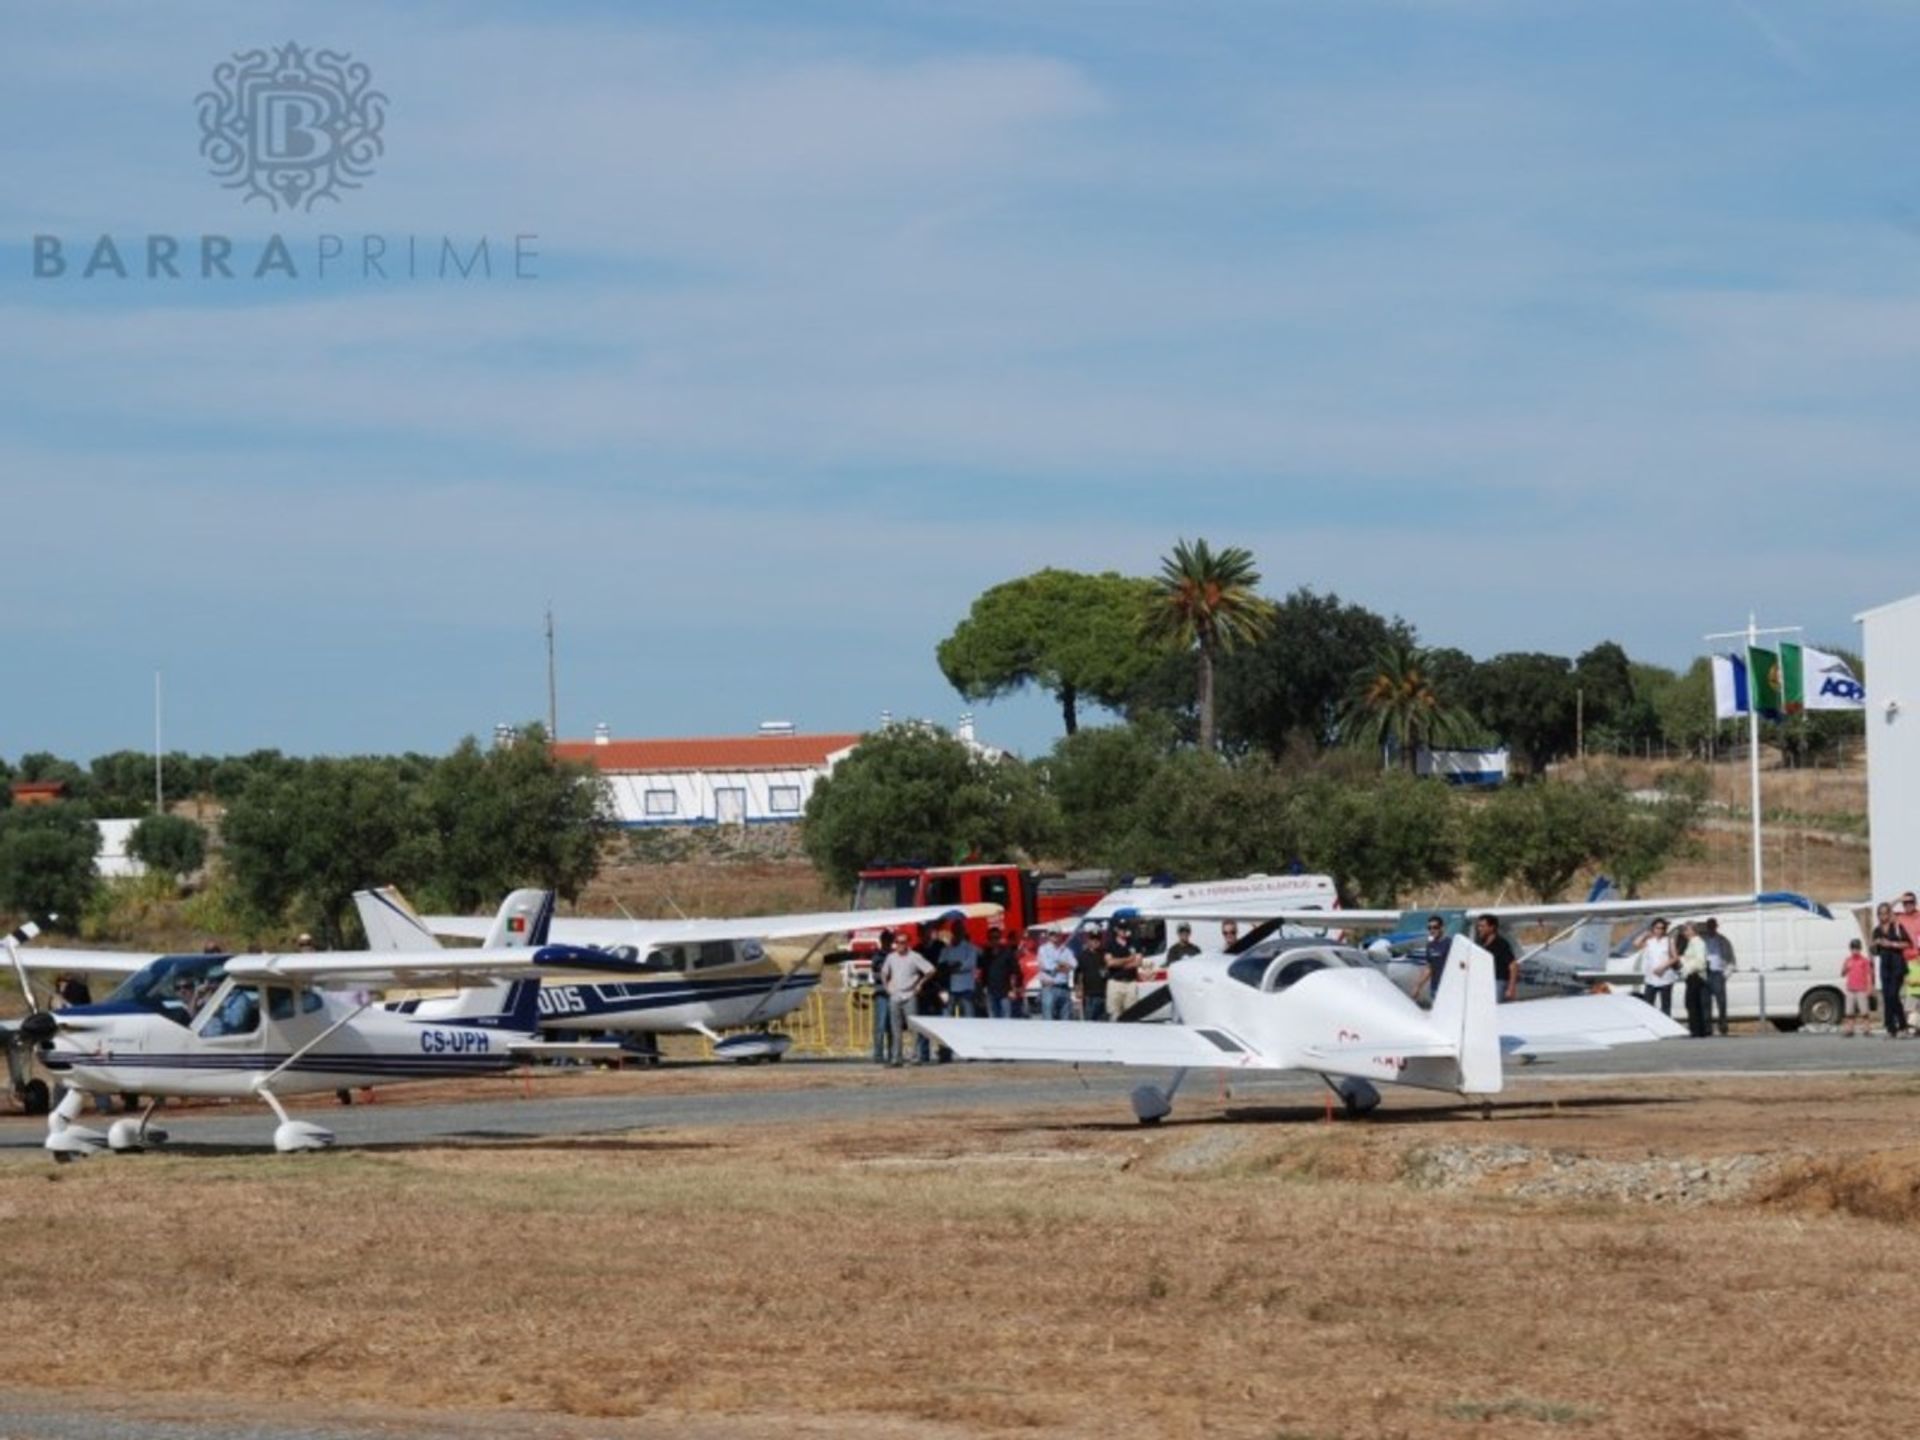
(62, 1157)
(1151, 1119)
(35, 1097)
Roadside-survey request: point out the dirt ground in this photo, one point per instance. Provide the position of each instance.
(1651, 1258)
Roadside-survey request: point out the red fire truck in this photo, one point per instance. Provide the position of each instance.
(1029, 897)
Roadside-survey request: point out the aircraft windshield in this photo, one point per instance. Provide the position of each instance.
(172, 979)
(884, 892)
(1273, 973)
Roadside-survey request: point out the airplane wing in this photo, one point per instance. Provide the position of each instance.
(1573, 1023)
(85, 962)
(1250, 910)
(644, 933)
(1168, 1046)
(349, 969)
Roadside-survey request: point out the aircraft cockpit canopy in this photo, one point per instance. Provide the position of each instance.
(1270, 973)
(172, 983)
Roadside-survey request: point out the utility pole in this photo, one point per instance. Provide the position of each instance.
(159, 787)
(553, 689)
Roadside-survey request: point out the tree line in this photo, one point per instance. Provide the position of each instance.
(1132, 798)
(298, 836)
(1199, 649)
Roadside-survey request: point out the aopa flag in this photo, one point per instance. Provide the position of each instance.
(1816, 680)
(1729, 687)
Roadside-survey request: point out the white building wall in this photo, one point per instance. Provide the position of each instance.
(1892, 652)
(709, 797)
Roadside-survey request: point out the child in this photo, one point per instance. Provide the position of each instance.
(1857, 974)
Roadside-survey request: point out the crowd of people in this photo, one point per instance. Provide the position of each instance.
(1696, 960)
(1096, 978)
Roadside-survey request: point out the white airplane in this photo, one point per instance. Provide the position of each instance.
(698, 976)
(30, 968)
(267, 1026)
(1324, 1012)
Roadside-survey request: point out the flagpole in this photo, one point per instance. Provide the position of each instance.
(1751, 635)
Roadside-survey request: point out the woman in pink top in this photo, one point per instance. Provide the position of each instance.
(1857, 974)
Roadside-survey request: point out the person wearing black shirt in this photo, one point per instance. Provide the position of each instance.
(1183, 947)
(1002, 967)
(1506, 975)
(1890, 949)
(1122, 971)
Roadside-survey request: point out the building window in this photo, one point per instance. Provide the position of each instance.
(660, 802)
(784, 799)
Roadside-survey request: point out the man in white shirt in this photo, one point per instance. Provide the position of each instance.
(1056, 977)
(1658, 968)
(901, 974)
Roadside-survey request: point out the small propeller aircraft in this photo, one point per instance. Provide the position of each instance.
(267, 1026)
(1325, 1012)
(699, 976)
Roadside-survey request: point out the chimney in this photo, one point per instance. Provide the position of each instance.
(964, 730)
(886, 719)
(601, 734)
(502, 736)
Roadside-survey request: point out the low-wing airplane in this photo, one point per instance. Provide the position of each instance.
(1323, 1012)
(699, 976)
(267, 1026)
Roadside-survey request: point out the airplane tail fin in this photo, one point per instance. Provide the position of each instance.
(391, 923)
(523, 921)
(1467, 1011)
(505, 1005)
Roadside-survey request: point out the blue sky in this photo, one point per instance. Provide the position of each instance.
(1535, 323)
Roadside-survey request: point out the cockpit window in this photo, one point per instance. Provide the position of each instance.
(238, 1014)
(172, 981)
(1270, 973)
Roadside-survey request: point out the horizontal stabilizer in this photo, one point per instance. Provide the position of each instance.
(1582, 1022)
(1078, 1042)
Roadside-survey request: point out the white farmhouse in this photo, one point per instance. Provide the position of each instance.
(1892, 653)
(730, 780)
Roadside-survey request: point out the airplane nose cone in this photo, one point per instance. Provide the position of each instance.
(38, 1028)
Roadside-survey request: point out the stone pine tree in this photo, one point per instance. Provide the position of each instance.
(1205, 601)
(1073, 635)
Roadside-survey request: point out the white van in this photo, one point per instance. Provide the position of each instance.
(1792, 979)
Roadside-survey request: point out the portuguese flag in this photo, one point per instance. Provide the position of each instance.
(1768, 680)
(1793, 675)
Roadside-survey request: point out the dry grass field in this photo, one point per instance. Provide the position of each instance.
(1636, 1259)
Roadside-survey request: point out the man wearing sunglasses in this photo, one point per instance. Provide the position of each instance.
(1434, 955)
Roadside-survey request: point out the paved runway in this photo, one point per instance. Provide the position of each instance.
(850, 1090)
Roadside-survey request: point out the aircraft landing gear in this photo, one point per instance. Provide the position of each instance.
(65, 1140)
(35, 1098)
(130, 1137)
(1357, 1095)
(291, 1135)
(1151, 1104)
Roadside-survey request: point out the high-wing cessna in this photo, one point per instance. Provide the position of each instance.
(1324, 1012)
(267, 1026)
(702, 976)
(29, 967)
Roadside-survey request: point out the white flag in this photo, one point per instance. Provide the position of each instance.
(1729, 687)
(1830, 683)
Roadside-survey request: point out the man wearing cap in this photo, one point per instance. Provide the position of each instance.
(1001, 971)
(1123, 971)
(1183, 947)
(1056, 977)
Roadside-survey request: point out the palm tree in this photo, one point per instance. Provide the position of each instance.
(1203, 600)
(1393, 702)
